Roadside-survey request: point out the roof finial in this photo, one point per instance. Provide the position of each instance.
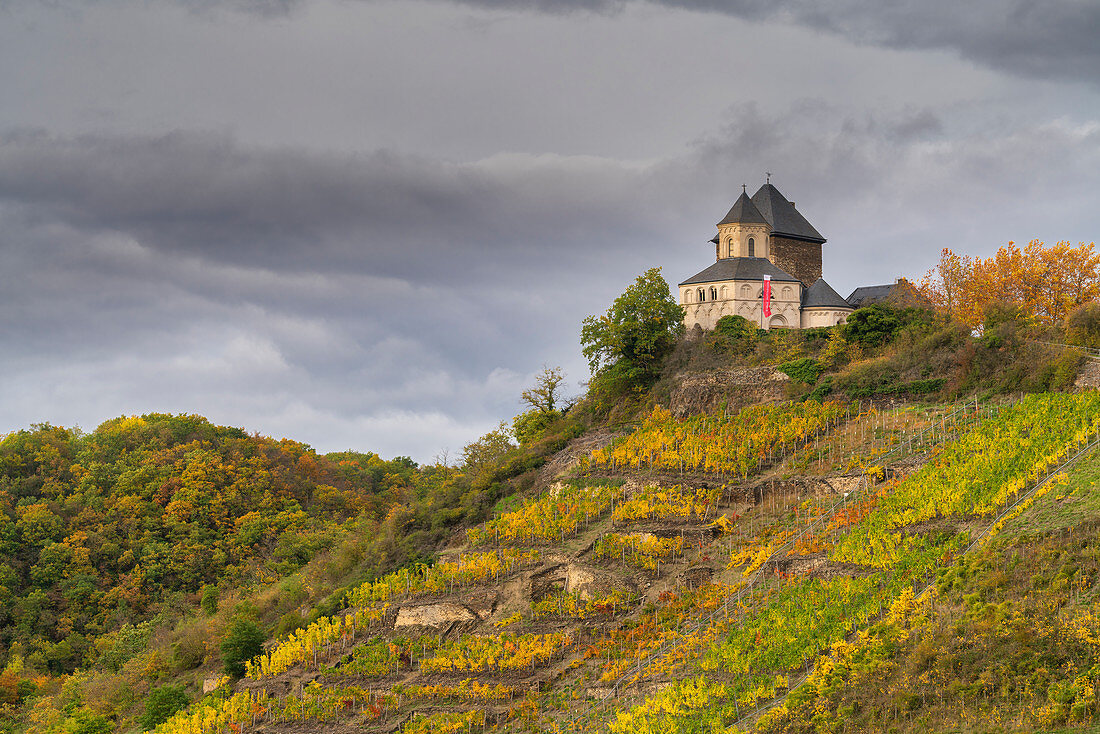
(768, 174)
(744, 188)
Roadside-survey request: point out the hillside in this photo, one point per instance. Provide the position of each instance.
(688, 574)
(774, 531)
(128, 551)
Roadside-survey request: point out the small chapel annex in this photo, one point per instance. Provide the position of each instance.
(762, 241)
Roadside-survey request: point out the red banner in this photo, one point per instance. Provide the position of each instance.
(767, 295)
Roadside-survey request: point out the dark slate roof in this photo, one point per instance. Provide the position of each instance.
(782, 216)
(901, 293)
(744, 211)
(740, 268)
(822, 295)
(868, 294)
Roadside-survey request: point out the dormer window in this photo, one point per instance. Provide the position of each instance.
(752, 247)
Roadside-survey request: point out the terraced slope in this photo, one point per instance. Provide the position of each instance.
(684, 580)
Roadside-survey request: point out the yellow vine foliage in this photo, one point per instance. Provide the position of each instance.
(736, 444)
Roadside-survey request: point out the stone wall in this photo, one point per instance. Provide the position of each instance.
(800, 259)
(702, 392)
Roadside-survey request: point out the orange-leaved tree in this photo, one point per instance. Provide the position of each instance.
(1044, 282)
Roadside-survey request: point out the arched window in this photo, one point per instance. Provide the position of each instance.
(786, 293)
(713, 293)
(752, 247)
(724, 294)
(729, 247)
(687, 296)
(702, 295)
(746, 291)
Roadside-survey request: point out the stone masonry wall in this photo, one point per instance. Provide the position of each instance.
(800, 259)
(705, 391)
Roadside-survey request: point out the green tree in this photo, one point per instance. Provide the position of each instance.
(209, 599)
(543, 400)
(243, 642)
(544, 396)
(85, 722)
(161, 703)
(636, 333)
(488, 453)
(873, 325)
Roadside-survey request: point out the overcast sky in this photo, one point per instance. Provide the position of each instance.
(367, 225)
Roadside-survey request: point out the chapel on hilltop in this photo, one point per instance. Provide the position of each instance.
(764, 240)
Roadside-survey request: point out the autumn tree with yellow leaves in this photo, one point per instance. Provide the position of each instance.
(1046, 283)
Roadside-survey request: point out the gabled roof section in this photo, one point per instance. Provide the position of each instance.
(740, 268)
(822, 295)
(744, 211)
(900, 293)
(782, 216)
(868, 294)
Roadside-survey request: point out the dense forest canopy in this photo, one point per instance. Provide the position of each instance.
(99, 529)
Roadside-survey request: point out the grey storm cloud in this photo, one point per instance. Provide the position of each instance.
(1046, 40)
(1031, 38)
(1028, 37)
(386, 213)
(405, 300)
(401, 219)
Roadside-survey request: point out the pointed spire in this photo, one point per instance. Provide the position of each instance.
(785, 220)
(744, 211)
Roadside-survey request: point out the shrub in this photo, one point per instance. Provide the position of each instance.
(873, 325)
(85, 722)
(530, 426)
(289, 622)
(128, 642)
(735, 327)
(243, 642)
(804, 370)
(880, 323)
(864, 379)
(1083, 325)
(161, 703)
(209, 601)
(189, 651)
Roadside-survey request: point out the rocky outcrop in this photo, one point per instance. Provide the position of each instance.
(587, 582)
(704, 392)
(1089, 376)
(433, 615)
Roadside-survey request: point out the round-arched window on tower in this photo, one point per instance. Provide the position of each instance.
(702, 295)
(729, 247)
(713, 293)
(752, 247)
